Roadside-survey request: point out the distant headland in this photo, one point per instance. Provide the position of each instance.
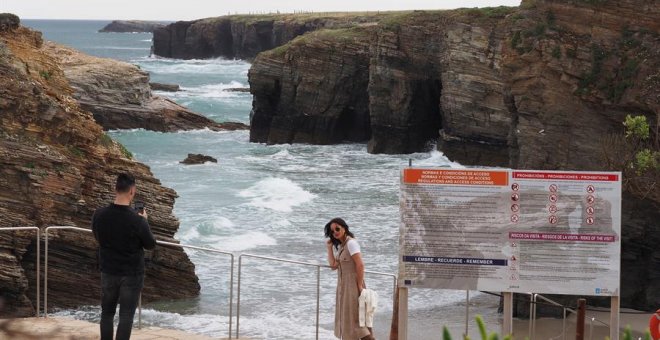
(130, 26)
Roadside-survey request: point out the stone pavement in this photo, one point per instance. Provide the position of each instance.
(61, 328)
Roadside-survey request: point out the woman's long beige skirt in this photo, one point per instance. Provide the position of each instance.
(347, 325)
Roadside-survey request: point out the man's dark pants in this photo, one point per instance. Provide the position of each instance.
(126, 291)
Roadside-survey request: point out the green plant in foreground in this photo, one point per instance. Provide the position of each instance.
(482, 332)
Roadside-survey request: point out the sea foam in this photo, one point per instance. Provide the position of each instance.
(279, 194)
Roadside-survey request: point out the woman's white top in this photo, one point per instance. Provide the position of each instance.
(352, 246)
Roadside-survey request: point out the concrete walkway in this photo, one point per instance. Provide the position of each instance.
(61, 328)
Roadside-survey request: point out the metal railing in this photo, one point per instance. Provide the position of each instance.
(37, 261)
(231, 277)
(231, 272)
(318, 284)
(532, 314)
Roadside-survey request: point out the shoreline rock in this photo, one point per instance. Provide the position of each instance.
(119, 95)
(164, 87)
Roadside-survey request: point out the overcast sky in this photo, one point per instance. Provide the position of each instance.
(196, 9)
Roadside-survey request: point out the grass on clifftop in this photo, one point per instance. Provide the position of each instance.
(347, 17)
(342, 35)
(476, 15)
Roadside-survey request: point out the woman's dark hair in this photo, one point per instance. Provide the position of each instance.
(328, 230)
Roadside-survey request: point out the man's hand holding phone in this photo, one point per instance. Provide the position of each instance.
(139, 208)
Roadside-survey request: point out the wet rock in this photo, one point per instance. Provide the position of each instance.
(164, 87)
(198, 159)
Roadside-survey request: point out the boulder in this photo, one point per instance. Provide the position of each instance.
(198, 159)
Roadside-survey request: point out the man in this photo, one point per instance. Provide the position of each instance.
(122, 235)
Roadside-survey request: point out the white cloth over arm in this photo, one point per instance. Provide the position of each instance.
(368, 301)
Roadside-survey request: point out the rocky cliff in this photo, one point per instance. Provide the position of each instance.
(130, 26)
(244, 36)
(537, 87)
(119, 96)
(56, 167)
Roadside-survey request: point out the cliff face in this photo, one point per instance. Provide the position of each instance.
(535, 87)
(527, 87)
(56, 167)
(119, 96)
(309, 107)
(243, 37)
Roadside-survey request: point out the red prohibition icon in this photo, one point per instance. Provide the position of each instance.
(590, 220)
(515, 186)
(515, 197)
(514, 218)
(552, 219)
(590, 210)
(553, 198)
(591, 199)
(553, 187)
(515, 207)
(591, 189)
(552, 209)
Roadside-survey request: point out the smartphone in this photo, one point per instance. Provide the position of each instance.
(138, 207)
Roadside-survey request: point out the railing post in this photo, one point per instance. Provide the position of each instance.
(140, 311)
(318, 299)
(467, 312)
(579, 327)
(38, 269)
(563, 324)
(46, 275)
(238, 296)
(534, 299)
(231, 293)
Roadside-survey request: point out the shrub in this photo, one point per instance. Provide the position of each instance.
(636, 153)
(125, 151)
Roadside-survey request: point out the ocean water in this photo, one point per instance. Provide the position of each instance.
(268, 200)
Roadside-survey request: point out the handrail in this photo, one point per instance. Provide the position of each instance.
(318, 283)
(46, 261)
(231, 278)
(231, 272)
(532, 327)
(38, 260)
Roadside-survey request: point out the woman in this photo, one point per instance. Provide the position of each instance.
(350, 281)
